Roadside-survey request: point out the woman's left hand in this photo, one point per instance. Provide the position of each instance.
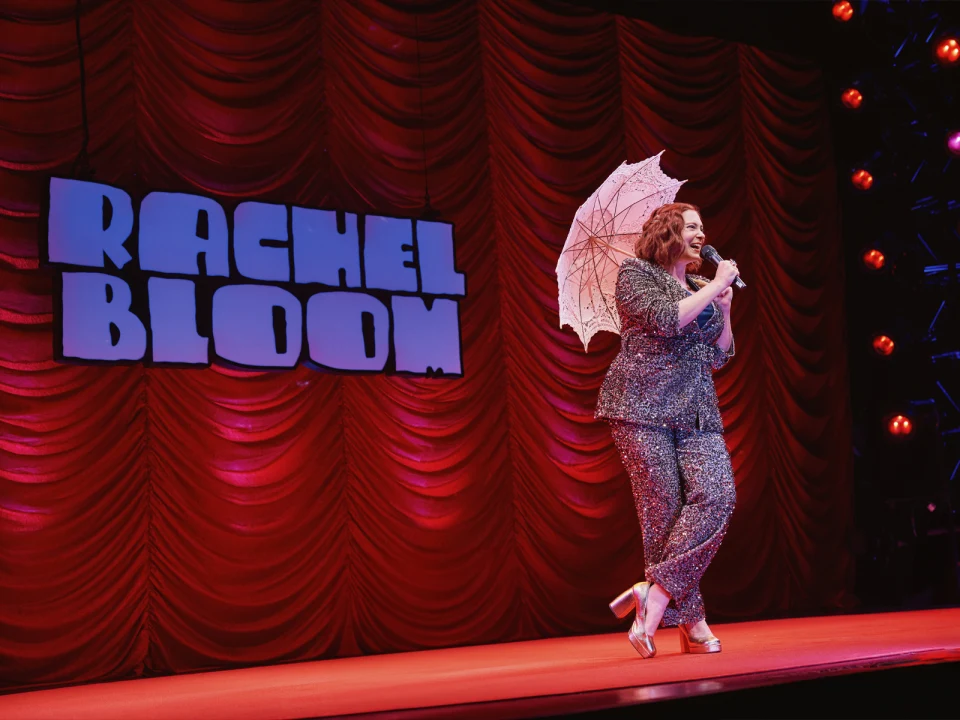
(724, 300)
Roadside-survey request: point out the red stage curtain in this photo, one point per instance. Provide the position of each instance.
(158, 521)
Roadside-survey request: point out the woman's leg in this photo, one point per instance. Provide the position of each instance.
(650, 458)
(709, 496)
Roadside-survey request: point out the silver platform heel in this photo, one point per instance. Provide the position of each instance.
(636, 598)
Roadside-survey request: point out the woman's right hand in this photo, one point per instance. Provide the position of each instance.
(726, 273)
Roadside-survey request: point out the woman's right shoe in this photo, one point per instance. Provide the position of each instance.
(706, 645)
(636, 597)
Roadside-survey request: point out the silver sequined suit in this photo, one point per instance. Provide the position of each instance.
(660, 401)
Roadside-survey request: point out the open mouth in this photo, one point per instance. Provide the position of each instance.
(695, 246)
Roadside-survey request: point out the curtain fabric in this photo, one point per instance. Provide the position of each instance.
(158, 521)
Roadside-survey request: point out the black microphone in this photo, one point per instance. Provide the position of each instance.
(708, 253)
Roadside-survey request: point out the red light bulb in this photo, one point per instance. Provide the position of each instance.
(948, 51)
(842, 11)
(883, 345)
(899, 425)
(862, 180)
(851, 98)
(874, 259)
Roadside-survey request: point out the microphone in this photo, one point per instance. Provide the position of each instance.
(708, 253)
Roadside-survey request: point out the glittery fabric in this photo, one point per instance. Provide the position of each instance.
(684, 492)
(662, 406)
(662, 375)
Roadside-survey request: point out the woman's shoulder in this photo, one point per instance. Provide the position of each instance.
(635, 263)
(646, 268)
(642, 273)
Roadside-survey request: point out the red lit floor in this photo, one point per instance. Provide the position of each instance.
(754, 653)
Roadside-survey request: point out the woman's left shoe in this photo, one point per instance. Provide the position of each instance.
(709, 644)
(625, 602)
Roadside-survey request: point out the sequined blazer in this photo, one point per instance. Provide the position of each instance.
(663, 373)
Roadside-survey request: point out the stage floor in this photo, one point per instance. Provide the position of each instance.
(518, 679)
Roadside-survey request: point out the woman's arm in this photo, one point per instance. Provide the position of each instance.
(725, 301)
(725, 341)
(639, 294)
(721, 291)
(725, 345)
(692, 306)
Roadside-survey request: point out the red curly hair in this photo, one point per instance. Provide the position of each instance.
(660, 239)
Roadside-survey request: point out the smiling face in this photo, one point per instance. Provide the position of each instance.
(672, 236)
(693, 237)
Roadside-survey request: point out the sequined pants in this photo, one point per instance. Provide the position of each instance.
(684, 490)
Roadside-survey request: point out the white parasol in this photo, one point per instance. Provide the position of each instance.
(603, 233)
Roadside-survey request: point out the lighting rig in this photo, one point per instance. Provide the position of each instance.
(894, 72)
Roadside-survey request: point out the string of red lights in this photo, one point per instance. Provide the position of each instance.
(896, 116)
(946, 50)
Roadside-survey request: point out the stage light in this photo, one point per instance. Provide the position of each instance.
(842, 11)
(953, 143)
(948, 51)
(874, 259)
(899, 425)
(851, 98)
(883, 345)
(862, 180)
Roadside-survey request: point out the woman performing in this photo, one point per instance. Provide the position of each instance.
(659, 399)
